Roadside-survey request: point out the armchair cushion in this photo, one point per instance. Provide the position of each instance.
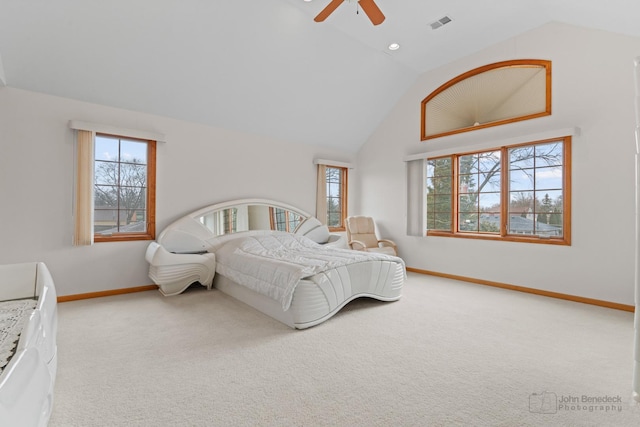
(361, 235)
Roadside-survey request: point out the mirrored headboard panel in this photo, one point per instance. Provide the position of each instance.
(200, 230)
(251, 216)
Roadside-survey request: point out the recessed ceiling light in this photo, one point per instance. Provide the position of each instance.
(394, 46)
(307, 0)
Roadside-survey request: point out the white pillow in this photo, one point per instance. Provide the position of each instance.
(319, 234)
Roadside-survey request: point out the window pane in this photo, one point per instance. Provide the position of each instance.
(439, 194)
(489, 161)
(133, 175)
(555, 219)
(442, 221)
(520, 225)
(489, 177)
(438, 184)
(521, 157)
(539, 169)
(431, 224)
(521, 203)
(549, 178)
(549, 154)
(521, 179)
(490, 181)
(333, 219)
(333, 174)
(132, 221)
(489, 202)
(105, 197)
(439, 167)
(132, 198)
(442, 203)
(468, 164)
(490, 222)
(468, 203)
(479, 192)
(133, 151)
(431, 184)
(546, 201)
(105, 221)
(441, 185)
(106, 148)
(106, 173)
(468, 222)
(543, 228)
(467, 184)
(333, 190)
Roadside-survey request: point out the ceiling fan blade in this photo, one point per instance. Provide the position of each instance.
(328, 10)
(372, 11)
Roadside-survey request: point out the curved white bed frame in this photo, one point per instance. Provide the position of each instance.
(185, 253)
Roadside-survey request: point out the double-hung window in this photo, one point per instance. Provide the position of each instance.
(520, 193)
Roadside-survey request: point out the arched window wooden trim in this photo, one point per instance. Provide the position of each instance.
(473, 124)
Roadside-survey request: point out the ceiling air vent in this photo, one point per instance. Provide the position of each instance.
(440, 22)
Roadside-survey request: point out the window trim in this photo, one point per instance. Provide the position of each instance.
(509, 64)
(150, 234)
(504, 193)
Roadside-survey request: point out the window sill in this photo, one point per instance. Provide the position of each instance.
(563, 241)
(98, 238)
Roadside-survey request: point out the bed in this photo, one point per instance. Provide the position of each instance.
(272, 256)
(28, 349)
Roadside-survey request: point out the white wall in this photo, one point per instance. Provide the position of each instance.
(593, 89)
(198, 165)
(3, 80)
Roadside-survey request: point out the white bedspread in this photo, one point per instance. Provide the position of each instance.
(13, 317)
(272, 264)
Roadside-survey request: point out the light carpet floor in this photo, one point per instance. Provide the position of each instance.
(448, 353)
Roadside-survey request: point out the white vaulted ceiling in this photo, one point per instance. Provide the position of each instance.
(259, 66)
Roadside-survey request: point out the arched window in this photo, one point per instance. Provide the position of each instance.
(491, 95)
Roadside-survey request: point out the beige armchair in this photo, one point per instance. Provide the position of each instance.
(361, 236)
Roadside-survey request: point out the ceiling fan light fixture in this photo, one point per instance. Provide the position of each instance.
(369, 7)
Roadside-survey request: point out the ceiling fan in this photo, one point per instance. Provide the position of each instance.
(369, 7)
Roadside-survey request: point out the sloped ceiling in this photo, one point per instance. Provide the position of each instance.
(263, 67)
